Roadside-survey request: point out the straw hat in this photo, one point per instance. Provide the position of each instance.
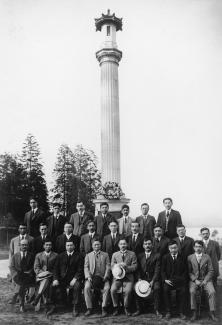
(118, 272)
(43, 275)
(143, 288)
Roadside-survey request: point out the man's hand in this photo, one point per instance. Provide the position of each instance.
(123, 265)
(89, 279)
(55, 283)
(198, 282)
(72, 282)
(169, 283)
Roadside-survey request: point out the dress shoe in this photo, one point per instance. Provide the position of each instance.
(22, 309)
(213, 317)
(50, 311)
(115, 311)
(104, 312)
(159, 315)
(127, 312)
(182, 316)
(137, 313)
(88, 312)
(194, 316)
(75, 312)
(168, 316)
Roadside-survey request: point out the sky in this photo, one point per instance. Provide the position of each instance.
(169, 84)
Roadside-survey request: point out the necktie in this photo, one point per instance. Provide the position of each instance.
(123, 257)
(181, 242)
(167, 220)
(47, 262)
(23, 262)
(69, 259)
(134, 239)
(23, 237)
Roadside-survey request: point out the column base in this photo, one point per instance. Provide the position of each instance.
(114, 205)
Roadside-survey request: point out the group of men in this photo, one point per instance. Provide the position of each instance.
(107, 257)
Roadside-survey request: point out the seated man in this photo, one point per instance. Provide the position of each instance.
(110, 241)
(15, 243)
(38, 242)
(44, 261)
(149, 270)
(174, 275)
(87, 239)
(97, 273)
(201, 273)
(60, 245)
(68, 274)
(128, 261)
(21, 268)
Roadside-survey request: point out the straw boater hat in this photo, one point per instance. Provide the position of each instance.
(43, 275)
(143, 288)
(118, 272)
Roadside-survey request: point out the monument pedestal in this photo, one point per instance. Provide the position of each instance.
(114, 205)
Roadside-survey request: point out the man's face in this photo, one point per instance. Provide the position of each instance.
(198, 248)
(48, 246)
(91, 227)
(43, 230)
(147, 245)
(104, 209)
(125, 212)
(181, 231)
(69, 247)
(157, 232)
(24, 246)
(135, 227)
(80, 207)
(122, 245)
(96, 246)
(205, 234)
(144, 209)
(168, 204)
(56, 210)
(113, 227)
(33, 204)
(22, 230)
(173, 249)
(68, 229)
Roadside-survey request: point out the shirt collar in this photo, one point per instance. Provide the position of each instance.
(182, 238)
(47, 254)
(174, 255)
(70, 253)
(123, 252)
(23, 253)
(168, 211)
(148, 253)
(20, 236)
(92, 234)
(68, 236)
(199, 255)
(206, 242)
(96, 253)
(136, 235)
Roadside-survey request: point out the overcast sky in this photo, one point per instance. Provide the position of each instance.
(170, 93)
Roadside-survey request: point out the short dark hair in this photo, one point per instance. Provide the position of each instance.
(144, 204)
(42, 224)
(181, 226)
(70, 241)
(204, 228)
(168, 198)
(68, 223)
(22, 224)
(125, 206)
(96, 238)
(134, 221)
(172, 242)
(47, 240)
(157, 226)
(113, 220)
(104, 203)
(34, 198)
(199, 242)
(146, 239)
(80, 201)
(90, 221)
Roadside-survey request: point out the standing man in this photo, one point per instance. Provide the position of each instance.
(169, 219)
(87, 239)
(135, 240)
(97, 274)
(211, 247)
(146, 221)
(103, 220)
(56, 222)
(15, 244)
(201, 274)
(33, 218)
(124, 223)
(128, 261)
(110, 241)
(160, 242)
(38, 243)
(185, 243)
(60, 245)
(174, 276)
(80, 219)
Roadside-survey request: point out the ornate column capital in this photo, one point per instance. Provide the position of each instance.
(109, 55)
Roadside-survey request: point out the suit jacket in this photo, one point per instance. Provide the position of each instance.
(15, 265)
(186, 248)
(15, 245)
(89, 266)
(80, 223)
(146, 227)
(173, 222)
(149, 269)
(56, 227)
(127, 226)
(33, 222)
(175, 271)
(86, 244)
(64, 272)
(102, 226)
(161, 247)
(206, 271)
(60, 245)
(108, 246)
(131, 263)
(213, 250)
(38, 245)
(137, 248)
(41, 264)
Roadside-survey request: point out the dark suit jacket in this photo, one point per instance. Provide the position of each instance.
(56, 228)
(40, 264)
(146, 227)
(149, 269)
(38, 245)
(213, 250)
(174, 221)
(108, 246)
(64, 272)
(161, 247)
(60, 245)
(137, 248)
(186, 248)
(176, 271)
(33, 222)
(102, 228)
(86, 244)
(80, 223)
(15, 265)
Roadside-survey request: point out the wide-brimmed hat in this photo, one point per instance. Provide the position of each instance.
(143, 288)
(43, 275)
(118, 272)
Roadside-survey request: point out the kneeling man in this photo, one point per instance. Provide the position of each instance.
(97, 273)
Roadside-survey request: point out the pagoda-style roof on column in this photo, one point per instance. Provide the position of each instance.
(108, 19)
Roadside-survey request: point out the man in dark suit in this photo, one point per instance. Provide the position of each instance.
(103, 220)
(149, 270)
(185, 243)
(80, 219)
(33, 218)
(211, 247)
(110, 241)
(38, 242)
(169, 219)
(56, 222)
(87, 239)
(135, 240)
(69, 274)
(146, 221)
(60, 245)
(160, 242)
(21, 268)
(174, 276)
